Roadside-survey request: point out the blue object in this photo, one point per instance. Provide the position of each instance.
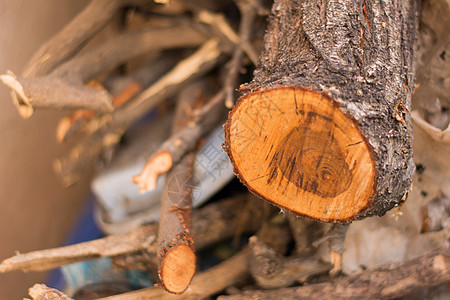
(85, 230)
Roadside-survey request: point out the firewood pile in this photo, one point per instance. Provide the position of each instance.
(342, 93)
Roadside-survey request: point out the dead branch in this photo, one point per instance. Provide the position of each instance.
(248, 11)
(43, 292)
(271, 270)
(174, 148)
(203, 284)
(105, 247)
(175, 243)
(386, 282)
(225, 32)
(64, 87)
(83, 155)
(123, 89)
(212, 223)
(74, 35)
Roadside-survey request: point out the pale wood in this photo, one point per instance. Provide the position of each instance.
(178, 268)
(43, 292)
(160, 163)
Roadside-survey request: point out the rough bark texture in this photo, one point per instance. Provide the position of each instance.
(387, 282)
(359, 55)
(175, 243)
(271, 270)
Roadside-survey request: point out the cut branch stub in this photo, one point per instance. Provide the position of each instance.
(301, 153)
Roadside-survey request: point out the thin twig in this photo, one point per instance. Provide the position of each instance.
(223, 29)
(248, 11)
(123, 89)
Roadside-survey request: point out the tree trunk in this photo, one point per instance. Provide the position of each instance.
(324, 129)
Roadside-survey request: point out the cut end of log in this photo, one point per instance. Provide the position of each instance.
(177, 268)
(20, 100)
(295, 148)
(158, 164)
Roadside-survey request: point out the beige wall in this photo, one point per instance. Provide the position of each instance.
(35, 211)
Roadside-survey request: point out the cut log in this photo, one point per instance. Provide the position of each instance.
(324, 129)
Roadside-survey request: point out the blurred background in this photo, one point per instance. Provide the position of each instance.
(36, 212)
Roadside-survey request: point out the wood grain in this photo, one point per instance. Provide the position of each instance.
(294, 147)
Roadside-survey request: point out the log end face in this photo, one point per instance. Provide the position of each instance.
(177, 268)
(295, 148)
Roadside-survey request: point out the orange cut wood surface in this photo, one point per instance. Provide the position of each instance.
(177, 268)
(295, 148)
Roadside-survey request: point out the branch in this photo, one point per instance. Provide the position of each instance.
(43, 292)
(83, 155)
(110, 246)
(390, 281)
(222, 28)
(203, 285)
(74, 35)
(248, 11)
(175, 243)
(174, 148)
(212, 223)
(123, 89)
(271, 270)
(64, 87)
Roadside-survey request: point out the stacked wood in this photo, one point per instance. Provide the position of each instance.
(323, 131)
